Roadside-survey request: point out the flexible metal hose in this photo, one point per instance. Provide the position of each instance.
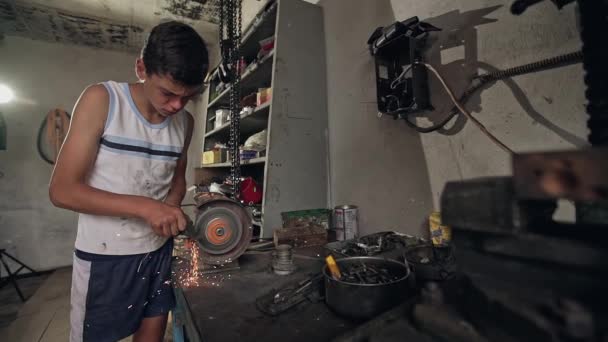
(549, 63)
(481, 80)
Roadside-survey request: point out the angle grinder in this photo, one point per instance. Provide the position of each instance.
(222, 228)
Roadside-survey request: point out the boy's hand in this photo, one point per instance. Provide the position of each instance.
(165, 220)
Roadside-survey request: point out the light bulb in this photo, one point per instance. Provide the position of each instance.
(6, 94)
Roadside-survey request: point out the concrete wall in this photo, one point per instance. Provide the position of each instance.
(43, 76)
(381, 164)
(542, 111)
(396, 175)
(377, 164)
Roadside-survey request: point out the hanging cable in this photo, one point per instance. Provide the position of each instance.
(401, 78)
(480, 81)
(465, 112)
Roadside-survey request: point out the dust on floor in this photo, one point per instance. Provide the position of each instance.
(45, 317)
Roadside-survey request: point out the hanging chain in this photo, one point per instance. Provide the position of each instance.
(230, 13)
(234, 35)
(222, 13)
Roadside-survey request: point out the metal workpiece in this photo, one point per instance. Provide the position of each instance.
(280, 300)
(282, 260)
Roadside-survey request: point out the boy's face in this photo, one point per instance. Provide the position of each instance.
(167, 96)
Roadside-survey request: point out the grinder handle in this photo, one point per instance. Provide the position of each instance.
(333, 267)
(190, 231)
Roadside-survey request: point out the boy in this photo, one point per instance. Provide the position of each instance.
(122, 167)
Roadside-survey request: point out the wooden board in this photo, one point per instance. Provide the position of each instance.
(301, 236)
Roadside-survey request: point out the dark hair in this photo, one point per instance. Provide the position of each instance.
(175, 49)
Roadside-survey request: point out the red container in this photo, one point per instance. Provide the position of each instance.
(251, 192)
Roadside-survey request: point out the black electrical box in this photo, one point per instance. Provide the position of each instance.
(401, 83)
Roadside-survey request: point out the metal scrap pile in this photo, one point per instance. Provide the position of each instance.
(374, 244)
(368, 274)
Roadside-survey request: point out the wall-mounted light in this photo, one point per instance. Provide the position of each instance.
(6, 94)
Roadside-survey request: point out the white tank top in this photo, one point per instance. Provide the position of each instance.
(135, 157)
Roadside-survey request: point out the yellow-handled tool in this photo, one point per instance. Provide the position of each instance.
(333, 267)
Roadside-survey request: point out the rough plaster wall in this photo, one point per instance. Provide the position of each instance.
(43, 76)
(377, 164)
(106, 24)
(252, 7)
(543, 111)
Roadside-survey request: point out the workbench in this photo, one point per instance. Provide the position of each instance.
(228, 312)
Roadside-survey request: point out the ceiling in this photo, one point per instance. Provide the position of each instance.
(108, 24)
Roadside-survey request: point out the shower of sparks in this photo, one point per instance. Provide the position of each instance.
(191, 276)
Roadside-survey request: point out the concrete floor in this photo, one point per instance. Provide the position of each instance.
(45, 317)
(10, 303)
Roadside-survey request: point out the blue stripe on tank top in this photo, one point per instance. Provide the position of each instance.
(141, 143)
(138, 154)
(132, 148)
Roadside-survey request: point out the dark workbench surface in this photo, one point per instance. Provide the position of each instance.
(229, 313)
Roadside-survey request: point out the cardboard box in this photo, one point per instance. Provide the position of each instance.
(214, 156)
(264, 95)
(221, 117)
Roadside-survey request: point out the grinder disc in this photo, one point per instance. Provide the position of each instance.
(223, 231)
(219, 230)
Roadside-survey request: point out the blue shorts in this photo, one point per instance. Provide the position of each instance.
(112, 294)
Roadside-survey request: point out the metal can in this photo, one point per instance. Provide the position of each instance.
(346, 222)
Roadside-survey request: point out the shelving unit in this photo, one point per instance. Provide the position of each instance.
(294, 170)
(253, 122)
(259, 160)
(249, 79)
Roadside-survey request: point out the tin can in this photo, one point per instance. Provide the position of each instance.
(346, 222)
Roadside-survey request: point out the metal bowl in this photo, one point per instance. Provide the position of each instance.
(363, 301)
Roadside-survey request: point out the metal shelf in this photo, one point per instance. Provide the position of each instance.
(250, 81)
(262, 26)
(250, 123)
(259, 160)
(295, 148)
